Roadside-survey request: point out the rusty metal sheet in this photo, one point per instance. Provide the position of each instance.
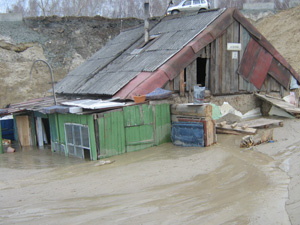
(248, 60)
(178, 62)
(280, 73)
(147, 83)
(201, 41)
(260, 71)
(265, 43)
(125, 91)
(33, 104)
(255, 64)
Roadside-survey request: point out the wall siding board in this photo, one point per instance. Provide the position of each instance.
(139, 128)
(223, 57)
(212, 75)
(191, 73)
(244, 40)
(162, 123)
(228, 62)
(235, 63)
(219, 66)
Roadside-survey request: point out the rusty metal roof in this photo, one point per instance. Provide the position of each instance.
(31, 105)
(123, 58)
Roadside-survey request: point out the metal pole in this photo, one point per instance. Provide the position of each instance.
(51, 73)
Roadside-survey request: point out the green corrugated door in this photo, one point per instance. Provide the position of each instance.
(139, 132)
(162, 123)
(111, 134)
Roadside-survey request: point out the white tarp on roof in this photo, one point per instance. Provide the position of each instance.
(94, 104)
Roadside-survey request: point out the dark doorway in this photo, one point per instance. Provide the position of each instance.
(46, 125)
(201, 71)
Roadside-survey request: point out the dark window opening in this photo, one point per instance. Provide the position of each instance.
(201, 71)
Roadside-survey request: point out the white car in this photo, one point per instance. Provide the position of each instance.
(189, 5)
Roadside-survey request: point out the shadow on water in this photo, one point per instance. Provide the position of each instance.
(34, 157)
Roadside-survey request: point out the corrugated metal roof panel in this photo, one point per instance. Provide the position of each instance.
(33, 104)
(95, 85)
(193, 22)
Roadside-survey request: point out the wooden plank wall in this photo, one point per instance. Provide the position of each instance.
(24, 130)
(224, 78)
(221, 70)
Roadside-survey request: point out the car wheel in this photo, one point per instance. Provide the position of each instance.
(174, 12)
(201, 10)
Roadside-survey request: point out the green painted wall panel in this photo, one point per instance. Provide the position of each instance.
(139, 137)
(162, 123)
(132, 115)
(139, 127)
(111, 134)
(134, 128)
(147, 114)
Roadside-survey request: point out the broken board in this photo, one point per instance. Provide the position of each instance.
(292, 109)
(262, 122)
(229, 129)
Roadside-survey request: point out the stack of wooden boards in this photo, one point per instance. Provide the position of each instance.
(246, 127)
(191, 113)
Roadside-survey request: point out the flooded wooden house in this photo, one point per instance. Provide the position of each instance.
(218, 49)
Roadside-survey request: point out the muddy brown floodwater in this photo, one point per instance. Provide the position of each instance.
(222, 184)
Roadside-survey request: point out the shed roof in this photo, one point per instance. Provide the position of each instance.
(123, 58)
(127, 66)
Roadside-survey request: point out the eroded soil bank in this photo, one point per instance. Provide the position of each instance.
(222, 184)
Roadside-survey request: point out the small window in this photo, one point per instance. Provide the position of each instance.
(78, 141)
(196, 2)
(187, 3)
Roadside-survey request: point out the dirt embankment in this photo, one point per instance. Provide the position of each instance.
(63, 42)
(282, 30)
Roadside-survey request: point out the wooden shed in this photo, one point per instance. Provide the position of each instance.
(219, 49)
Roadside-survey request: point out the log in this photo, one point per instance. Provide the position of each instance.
(204, 110)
